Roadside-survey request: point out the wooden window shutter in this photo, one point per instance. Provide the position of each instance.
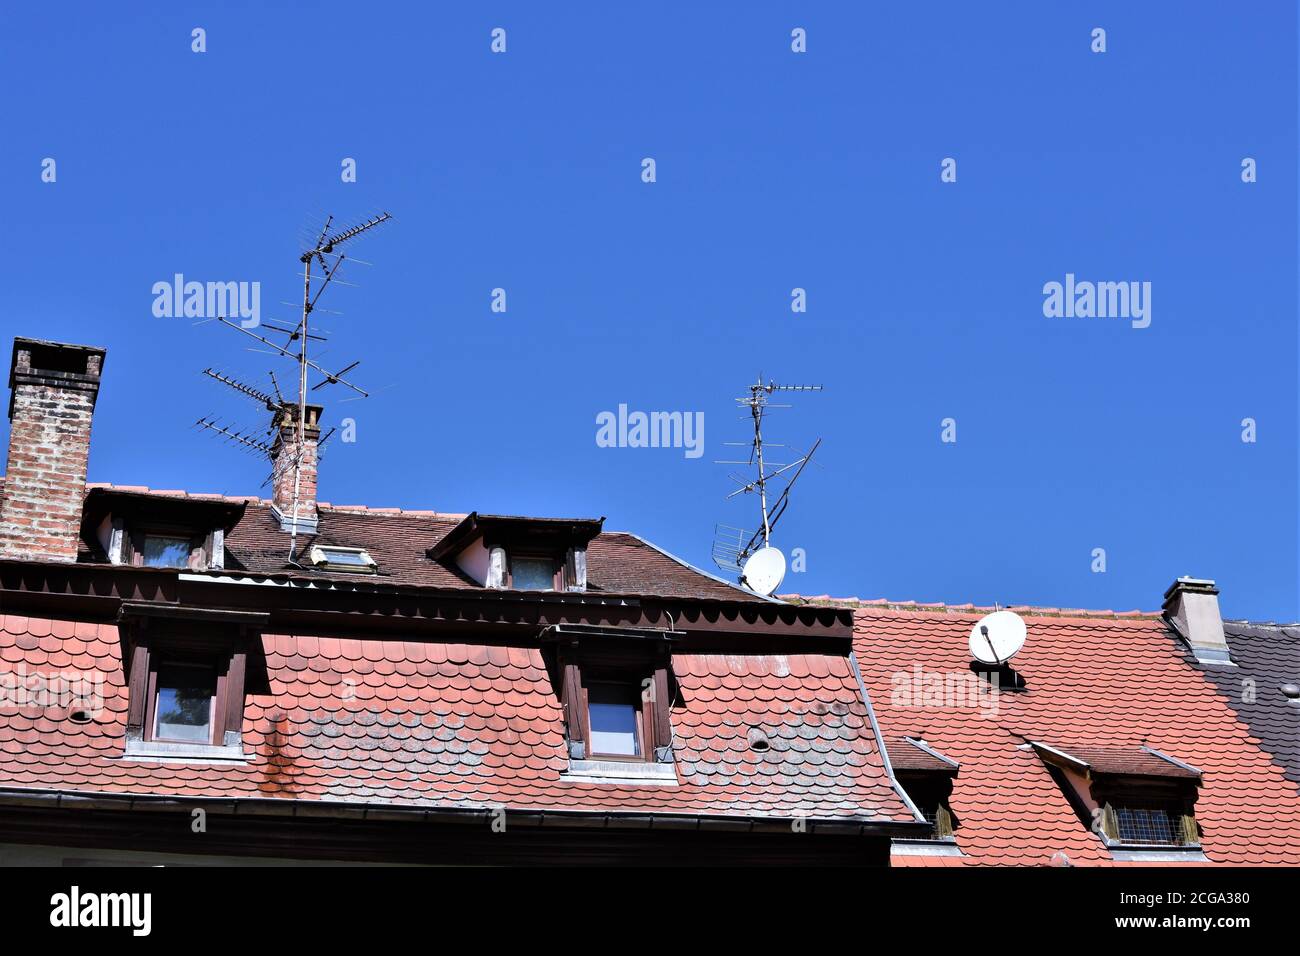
(1189, 832)
(138, 699)
(1109, 822)
(662, 703)
(575, 569)
(233, 725)
(575, 711)
(942, 822)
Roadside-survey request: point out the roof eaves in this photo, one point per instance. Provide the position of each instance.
(137, 800)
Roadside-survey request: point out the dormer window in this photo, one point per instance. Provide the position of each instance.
(188, 673)
(927, 776)
(520, 554)
(617, 689)
(334, 558)
(1137, 799)
(158, 530)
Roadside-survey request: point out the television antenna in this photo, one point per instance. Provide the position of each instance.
(296, 346)
(761, 567)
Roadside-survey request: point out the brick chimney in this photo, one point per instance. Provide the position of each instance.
(1192, 607)
(53, 387)
(284, 451)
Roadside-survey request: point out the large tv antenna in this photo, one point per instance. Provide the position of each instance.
(295, 347)
(761, 567)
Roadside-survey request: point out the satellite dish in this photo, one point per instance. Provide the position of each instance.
(764, 571)
(997, 637)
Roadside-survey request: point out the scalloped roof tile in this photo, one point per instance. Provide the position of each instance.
(438, 724)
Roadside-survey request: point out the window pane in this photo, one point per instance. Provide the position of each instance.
(1138, 825)
(184, 710)
(166, 552)
(612, 715)
(532, 574)
(357, 558)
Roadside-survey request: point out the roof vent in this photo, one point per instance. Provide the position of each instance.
(758, 741)
(1291, 691)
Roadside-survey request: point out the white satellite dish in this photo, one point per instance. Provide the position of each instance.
(997, 637)
(764, 571)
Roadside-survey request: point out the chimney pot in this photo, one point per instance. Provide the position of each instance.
(1192, 607)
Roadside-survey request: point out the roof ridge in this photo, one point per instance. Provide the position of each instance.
(940, 607)
(266, 502)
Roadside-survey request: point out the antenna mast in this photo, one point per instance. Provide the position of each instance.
(733, 545)
(301, 334)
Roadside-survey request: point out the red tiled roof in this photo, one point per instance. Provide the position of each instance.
(1093, 684)
(433, 724)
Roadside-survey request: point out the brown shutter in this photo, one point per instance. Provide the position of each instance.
(663, 729)
(575, 714)
(233, 724)
(138, 691)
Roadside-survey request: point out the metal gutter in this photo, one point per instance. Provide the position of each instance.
(613, 819)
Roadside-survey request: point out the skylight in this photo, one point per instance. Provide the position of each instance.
(335, 558)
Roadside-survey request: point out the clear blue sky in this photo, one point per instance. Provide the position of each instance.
(775, 170)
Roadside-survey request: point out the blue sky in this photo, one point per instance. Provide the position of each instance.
(775, 170)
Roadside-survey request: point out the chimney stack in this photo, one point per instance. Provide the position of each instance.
(53, 387)
(1192, 607)
(284, 452)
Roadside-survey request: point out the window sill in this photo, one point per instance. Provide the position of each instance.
(187, 753)
(943, 846)
(625, 772)
(1154, 853)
